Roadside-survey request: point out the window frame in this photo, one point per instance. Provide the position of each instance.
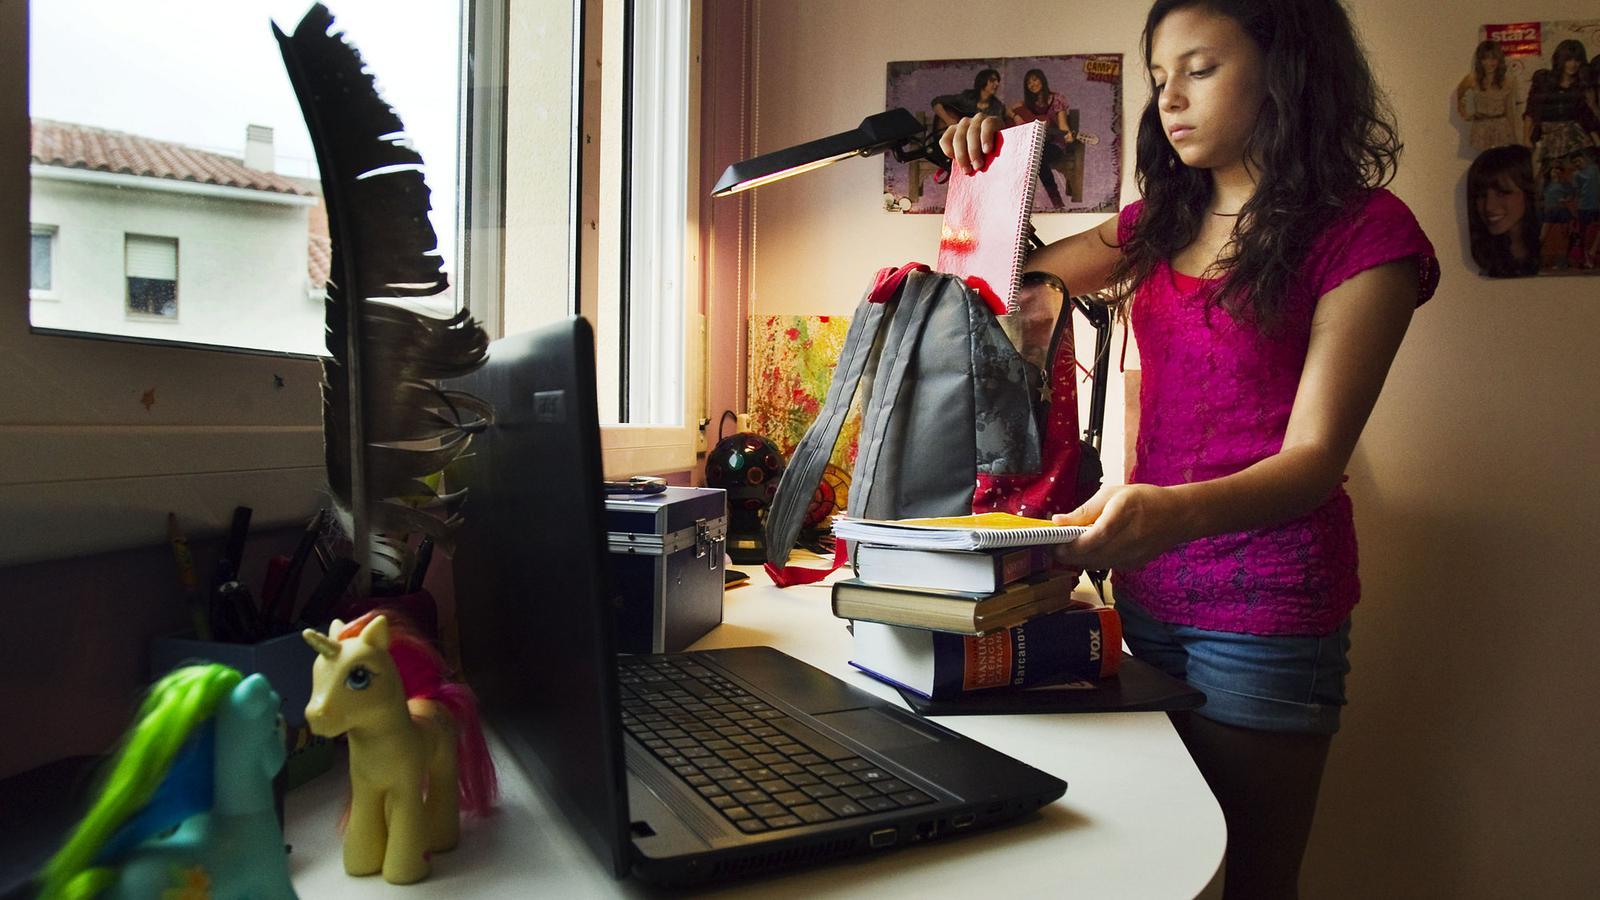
(636, 447)
(103, 437)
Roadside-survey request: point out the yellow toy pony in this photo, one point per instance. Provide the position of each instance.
(417, 753)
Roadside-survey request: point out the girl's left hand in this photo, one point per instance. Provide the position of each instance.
(1129, 525)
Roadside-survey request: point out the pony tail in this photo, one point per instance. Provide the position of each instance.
(425, 675)
(175, 706)
(475, 778)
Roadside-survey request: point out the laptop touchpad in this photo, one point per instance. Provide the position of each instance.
(877, 729)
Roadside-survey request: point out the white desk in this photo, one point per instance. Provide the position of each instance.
(1137, 819)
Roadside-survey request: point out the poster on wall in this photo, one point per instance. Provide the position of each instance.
(1078, 97)
(1530, 119)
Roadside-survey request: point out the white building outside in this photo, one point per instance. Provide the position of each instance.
(114, 214)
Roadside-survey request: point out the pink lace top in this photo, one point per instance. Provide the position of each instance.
(1214, 398)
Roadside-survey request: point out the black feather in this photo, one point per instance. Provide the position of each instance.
(386, 426)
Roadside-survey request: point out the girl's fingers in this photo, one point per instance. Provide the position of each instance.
(1088, 512)
(987, 129)
(977, 150)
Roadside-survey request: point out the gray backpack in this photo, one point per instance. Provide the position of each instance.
(963, 411)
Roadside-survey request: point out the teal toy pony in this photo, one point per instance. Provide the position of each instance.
(186, 807)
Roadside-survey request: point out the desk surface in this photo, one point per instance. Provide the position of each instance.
(1137, 819)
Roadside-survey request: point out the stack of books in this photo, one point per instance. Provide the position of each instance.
(946, 607)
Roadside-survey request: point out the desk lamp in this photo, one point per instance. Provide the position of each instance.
(896, 131)
(743, 457)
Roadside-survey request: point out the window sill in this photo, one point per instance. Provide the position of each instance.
(646, 449)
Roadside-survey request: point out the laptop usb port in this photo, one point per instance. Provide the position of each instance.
(964, 820)
(883, 837)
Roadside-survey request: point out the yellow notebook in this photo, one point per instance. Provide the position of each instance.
(982, 531)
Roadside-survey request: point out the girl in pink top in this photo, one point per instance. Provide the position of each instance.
(1269, 280)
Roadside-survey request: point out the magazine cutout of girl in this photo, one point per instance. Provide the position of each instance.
(1486, 99)
(1502, 221)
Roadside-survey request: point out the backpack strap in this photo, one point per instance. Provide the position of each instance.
(878, 410)
(804, 472)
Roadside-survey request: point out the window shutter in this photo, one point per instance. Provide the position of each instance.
(152, 257)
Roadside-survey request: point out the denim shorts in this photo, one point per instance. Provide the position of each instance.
(1266, 682)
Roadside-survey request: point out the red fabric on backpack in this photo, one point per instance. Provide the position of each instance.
(1053, 489)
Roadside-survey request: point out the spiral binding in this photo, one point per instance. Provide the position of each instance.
(1033, 133)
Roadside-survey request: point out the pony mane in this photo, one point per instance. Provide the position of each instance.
(423, 670)
(424, 674)
(175, 706)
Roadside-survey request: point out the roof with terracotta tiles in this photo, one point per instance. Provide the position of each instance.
(101, 150)
(319, 245)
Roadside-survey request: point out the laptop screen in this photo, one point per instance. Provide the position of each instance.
(532, 600)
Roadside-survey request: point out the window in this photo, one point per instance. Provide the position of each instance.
(637, 275)
(637, 284)
(157, 420)
(152, 273)
(41, 262)
(523, 142)
(192, 131)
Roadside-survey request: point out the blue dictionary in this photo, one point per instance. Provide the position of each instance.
(1055, 648)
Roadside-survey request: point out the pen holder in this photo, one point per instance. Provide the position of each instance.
(286, 662)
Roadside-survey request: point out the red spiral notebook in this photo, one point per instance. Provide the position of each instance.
(985, 234)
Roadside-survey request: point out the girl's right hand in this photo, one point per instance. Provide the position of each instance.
(969, 142)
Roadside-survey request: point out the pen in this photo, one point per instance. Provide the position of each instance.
(279, 606)
(233, 551)
(328, 591)
(272, 590)
(188, 584)
(235, 613)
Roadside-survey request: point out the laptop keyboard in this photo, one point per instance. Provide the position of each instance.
(761, 768)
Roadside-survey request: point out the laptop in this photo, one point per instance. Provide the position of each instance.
(675, 768)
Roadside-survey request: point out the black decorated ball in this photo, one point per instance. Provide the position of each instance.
(747, 466)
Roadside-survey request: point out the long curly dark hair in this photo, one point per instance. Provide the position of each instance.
(1501, 167)
(1323, 138)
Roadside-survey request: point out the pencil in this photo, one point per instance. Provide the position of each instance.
(188, 582)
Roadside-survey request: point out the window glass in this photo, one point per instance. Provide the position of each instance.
(41, 251)
(152, 276)
(174, 118)
(657, 174)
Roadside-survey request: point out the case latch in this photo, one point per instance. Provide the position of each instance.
(707, 546)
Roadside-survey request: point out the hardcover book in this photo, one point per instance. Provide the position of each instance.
(954, 611)
(985, 233)
(1137, 687)
(972, 571)
(1064, 646)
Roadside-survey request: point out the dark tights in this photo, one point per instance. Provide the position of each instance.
(1053, 154)
(1266, 783)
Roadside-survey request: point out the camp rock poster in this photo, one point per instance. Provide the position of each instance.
(1530, 123)
(1078, 97)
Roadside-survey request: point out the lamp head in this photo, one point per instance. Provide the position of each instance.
(896, 131)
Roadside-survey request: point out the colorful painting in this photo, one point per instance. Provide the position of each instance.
(1078, 97)
(791, 366)
(1530, 119)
